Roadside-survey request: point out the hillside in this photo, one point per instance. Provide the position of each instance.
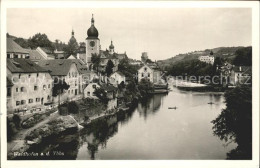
(228, 53)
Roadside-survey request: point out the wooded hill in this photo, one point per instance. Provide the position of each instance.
(227, 53)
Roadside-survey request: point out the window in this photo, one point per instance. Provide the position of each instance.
(75, 83)
(88, 93)
(8, 56)
(30, 100)
(44, 87)
(37, 75)
(15, 55)
(69, 92)
(148, 74)
(142, 74)
(17, 103)
(94, 86)
(37, 99)
(76, 74)
(17, 89)
(29, 75)
(35, 87)
(22, 89)
(145, 69)
(9, 92)
(49, 97)
(49, 86)
(23, 102)
(69, 74)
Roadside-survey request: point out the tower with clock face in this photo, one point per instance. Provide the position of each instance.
(92, 42)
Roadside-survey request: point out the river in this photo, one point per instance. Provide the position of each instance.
(151, 131)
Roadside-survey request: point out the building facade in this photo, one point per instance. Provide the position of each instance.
(28, 85)
(207, 59)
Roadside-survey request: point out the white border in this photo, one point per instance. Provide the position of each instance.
(254, 5)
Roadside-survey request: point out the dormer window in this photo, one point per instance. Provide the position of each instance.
(145, 69)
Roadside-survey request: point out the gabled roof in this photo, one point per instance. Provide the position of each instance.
(35, 55)
(13, 47)
(56, 67)
(120, 73)
(20, 65)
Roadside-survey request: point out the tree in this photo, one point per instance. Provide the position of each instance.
(40, 40)
(145, 87)
(109, 67)
(71, 48)
(59, 87)
(95, 59)
(22, 42)
(234, 124)
(101, 94)
(243, 57)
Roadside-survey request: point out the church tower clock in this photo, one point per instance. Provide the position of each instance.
(92, 41)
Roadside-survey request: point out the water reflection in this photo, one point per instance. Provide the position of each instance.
(184, 133)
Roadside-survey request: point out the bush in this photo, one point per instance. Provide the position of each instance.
(73, 107)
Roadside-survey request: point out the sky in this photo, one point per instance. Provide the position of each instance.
(162, 32)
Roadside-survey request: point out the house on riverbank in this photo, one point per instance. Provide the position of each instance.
(152, 74)
(28, 85)
(67, 70)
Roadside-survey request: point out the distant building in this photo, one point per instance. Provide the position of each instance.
(45, 53)
(14, 50)
(90, 89)
(144, 57)
(67, 70)
(116, 78)
(207, 59)
(151, 74)
(240, 75)
(28, 85)
(59, 54)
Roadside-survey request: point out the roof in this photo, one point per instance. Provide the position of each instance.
(13, 47)
(46, 50)
(120, 73)
(244, 69)
(59, 67)
(34, 54)
(20, 65)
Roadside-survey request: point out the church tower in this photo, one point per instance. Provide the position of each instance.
(111, 48)
(92, 41)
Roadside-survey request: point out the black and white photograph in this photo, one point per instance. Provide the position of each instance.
(159, 82)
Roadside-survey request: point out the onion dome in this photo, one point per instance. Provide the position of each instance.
(92, 31)
(111, 45)
(72, 39)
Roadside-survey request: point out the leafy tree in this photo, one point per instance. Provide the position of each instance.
(59, 87)
(127, 69)
(145, 87)
(40, 40)
(71, 48)
(243, 57)
(95, 59)
(234, 124)
(22, 42)
(109, 67)
(101, 94)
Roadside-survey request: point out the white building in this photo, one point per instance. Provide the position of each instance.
(65, 69)
(90, 89)
(28, 85)
(116, 78)
(151, 74)
(207, 59)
